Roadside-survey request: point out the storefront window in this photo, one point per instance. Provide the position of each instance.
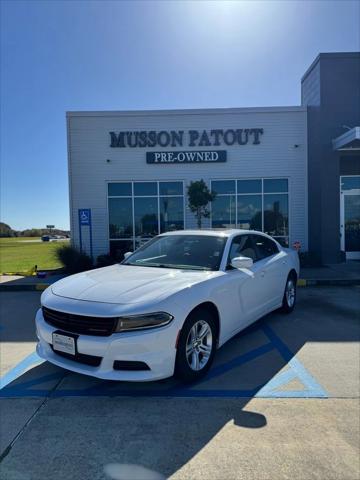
(170, 188)
(259, 204)
(249, 212)
(141, 210)
(120, 189)
(350, 183)
(142, 189)
(223, 212)
(171, 214)
(146, 216)
(221, 187)
(249, 186)
(276, 215)
(275, 185)
(120, 218)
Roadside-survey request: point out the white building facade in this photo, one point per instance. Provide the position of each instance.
(129, 173)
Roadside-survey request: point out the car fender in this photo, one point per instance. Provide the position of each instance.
(217, 293)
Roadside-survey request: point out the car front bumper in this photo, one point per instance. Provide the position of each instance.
(156, 348)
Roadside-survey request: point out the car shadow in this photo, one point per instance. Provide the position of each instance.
(114, 427)
(17, 314)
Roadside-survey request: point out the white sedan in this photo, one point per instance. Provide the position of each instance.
(167, 307)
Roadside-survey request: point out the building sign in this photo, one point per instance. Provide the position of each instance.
(203, 156)
(190, 138)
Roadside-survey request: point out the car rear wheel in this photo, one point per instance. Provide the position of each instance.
(196, 346)
(289, 298)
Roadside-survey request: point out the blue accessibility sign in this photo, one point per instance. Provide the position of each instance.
(85, 216)
(85, 221)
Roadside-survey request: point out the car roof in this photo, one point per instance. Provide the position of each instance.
(216, 233)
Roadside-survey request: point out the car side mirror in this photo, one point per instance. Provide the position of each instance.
(242, 262)
(127, 254)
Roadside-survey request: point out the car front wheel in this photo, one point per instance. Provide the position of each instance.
(196, 346)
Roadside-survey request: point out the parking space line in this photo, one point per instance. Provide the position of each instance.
(297, 371)
(236, 362)
(106, 388)
(23, 366)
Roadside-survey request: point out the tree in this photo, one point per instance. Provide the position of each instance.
(199, 197)
(6, 230)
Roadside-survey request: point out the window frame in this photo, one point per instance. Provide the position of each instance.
(135, 239)
(262, 193)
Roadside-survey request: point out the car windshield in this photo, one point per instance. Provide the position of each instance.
(194, 252)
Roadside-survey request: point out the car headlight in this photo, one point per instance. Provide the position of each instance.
(141, 322)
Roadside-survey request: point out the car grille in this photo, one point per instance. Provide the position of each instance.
(99, 326)
(80, 358)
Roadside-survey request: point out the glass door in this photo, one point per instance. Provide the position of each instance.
(350, 216)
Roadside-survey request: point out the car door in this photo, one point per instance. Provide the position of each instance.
(244, 284)
(271, 267)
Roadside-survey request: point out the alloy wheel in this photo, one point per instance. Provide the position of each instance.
(199, 345)
(290, 292)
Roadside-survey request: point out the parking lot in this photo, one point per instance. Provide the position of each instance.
(281, 401)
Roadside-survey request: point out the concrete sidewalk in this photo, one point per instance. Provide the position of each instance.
(347, 273)
(20, 283)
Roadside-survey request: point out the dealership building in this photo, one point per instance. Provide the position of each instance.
(293, 172)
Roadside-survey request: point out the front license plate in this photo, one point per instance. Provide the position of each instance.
(63, 343)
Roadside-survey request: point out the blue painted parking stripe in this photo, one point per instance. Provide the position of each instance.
(109, 389)
(285, 352)
(23, 389)
(279, 380)
(238, 361)
(25, 364)
(313, 387)
(269, 390)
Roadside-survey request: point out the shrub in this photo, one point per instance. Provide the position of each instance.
(73, 260)
(105, 260)
(308, 259)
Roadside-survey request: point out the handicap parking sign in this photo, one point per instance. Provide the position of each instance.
(85, 220)
(85, 216)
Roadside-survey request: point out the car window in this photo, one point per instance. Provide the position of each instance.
(199, 252)
(265, 247)
(242, 246)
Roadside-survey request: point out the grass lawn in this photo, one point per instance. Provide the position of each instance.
(20, 254)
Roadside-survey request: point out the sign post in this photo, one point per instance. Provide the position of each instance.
(85, 220)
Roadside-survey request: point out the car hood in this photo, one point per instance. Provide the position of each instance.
(123, 284)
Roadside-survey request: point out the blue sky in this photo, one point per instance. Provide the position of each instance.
(117, 55)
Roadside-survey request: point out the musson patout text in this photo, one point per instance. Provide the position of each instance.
(191, 138)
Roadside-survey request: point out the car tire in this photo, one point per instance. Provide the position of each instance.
(196, 346)
(289, 298)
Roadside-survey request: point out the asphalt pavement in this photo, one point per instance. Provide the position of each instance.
(280, 402)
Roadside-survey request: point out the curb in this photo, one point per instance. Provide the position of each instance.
(328, 282)
(38, 287)
(341, 282)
